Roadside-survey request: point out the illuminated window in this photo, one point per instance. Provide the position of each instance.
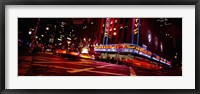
(149, 37)
(161, 47)
(84, 39)
(156, 41)
(115, 20)
(114, 33)
(111, 22)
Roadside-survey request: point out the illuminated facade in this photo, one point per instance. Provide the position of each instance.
(141, 32)
(131, 49)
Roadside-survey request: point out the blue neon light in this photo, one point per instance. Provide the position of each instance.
(131, 50)
(138, 31)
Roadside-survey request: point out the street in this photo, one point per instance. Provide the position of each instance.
(53, 65)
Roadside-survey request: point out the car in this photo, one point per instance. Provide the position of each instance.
(60, 52)
(87, 56)
(48, 51)
(73, 53)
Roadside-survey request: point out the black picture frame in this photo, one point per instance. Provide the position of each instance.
(3, 3)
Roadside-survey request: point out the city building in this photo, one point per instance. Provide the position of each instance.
(162, 36)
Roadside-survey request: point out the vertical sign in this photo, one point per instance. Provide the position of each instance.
(138, 30)
(135, 29)
(107, 28)
(136, 26)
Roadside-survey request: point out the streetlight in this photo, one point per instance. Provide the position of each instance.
(47, 28)
(29, 32)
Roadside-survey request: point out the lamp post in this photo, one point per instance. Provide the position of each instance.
(34, 36)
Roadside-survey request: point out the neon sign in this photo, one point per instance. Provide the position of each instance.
(156, 57)
(136, 26)
(130, 49)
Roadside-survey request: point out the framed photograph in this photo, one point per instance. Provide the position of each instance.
(74, 46)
